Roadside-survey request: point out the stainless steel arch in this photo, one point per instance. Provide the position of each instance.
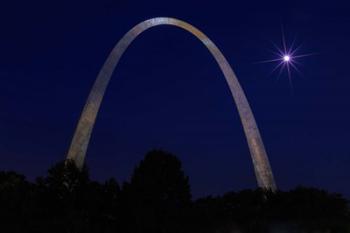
(79, 144)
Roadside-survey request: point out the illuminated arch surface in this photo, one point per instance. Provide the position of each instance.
(79, 144)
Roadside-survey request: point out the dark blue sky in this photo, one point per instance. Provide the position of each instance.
(168, 92)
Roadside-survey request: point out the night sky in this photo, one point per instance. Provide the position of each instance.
(169, 93)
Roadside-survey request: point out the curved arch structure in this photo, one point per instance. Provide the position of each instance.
(79, 144)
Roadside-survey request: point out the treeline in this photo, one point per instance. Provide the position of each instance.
(157, 199)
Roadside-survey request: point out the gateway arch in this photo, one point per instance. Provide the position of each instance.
(81, 138)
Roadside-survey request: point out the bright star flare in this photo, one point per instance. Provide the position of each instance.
(287, 58)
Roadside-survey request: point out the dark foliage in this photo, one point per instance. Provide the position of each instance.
(158, 199)
(156, 196)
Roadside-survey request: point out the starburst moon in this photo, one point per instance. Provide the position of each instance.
(287, 60)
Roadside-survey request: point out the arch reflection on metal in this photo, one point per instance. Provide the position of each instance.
(82, 134)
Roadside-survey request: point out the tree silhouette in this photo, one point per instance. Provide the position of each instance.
(316, 210)
(157, 193)
(16, 202)
(158, 200)
(70, 202)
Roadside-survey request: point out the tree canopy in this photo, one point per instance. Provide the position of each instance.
(157, 198)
